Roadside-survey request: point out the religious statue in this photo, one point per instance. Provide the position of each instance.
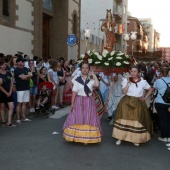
(107, 27)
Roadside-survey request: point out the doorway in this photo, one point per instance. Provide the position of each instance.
(46, 36)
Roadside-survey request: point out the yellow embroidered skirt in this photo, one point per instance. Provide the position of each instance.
(132, 121)
(83, 124)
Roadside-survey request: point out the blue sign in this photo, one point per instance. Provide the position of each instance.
(71, 40)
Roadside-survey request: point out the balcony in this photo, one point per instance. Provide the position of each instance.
(117, 47)
(146, 25)
(117, 12)
(116, 30)
(140, 32)
(139, 43)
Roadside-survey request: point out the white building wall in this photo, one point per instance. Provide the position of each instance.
(24, 12)
(72, 51)
(92, 12)
(13, 40)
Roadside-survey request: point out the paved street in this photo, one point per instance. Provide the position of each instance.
(32, 146)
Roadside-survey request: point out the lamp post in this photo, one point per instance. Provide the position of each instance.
(126, 38)
(133, 38)
(99, 29)
(87, 33)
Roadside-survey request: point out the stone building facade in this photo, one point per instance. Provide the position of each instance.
(153, 35)
(140, 45)
(39, 27)
(165, 53)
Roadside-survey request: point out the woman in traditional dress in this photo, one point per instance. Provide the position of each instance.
(83, 124)
(107, 27)
(99, 100)
(96, 93)
(132, 120)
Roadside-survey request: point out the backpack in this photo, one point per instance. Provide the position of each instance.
(166, 96)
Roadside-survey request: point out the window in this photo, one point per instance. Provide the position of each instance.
(47, 4)
(139, 37)
(6, 8)
(75, 24)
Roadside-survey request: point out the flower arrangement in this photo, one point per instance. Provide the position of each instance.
(106, 59)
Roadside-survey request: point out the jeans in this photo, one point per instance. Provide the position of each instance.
(14, 95)
(164, 119)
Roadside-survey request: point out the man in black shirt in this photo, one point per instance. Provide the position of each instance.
(22, 76)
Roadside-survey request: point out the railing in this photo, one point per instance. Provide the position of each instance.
(117, 10)
(119, 1)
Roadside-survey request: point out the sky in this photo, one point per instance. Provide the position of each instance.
(158, 11)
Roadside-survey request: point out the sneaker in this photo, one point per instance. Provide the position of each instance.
(18, 121)
(26, 120)
(37, 108)
(33, 110)
(163, 139)
(136, 144)
(168, 144)
(54, 107)
(42, 104)
(168, 149)
(118, 142)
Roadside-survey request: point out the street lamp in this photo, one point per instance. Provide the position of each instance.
(133, 38)
(126, 38)
(87, 33)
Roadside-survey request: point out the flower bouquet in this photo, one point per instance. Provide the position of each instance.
(106, 62)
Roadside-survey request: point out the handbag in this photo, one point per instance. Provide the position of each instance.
(31, 83)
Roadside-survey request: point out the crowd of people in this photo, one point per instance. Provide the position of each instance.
(24, 84)
(121, 95)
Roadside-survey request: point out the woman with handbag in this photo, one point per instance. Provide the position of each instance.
(163, 108)
(33, 85)
(6, 87)
(62, 82)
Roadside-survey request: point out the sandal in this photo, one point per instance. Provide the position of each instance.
(11, 125)
(4, 124)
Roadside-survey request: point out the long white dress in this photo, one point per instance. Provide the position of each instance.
(115, 95)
